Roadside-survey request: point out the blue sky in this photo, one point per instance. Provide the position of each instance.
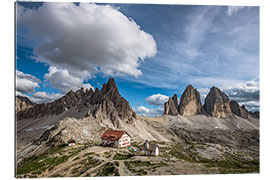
(152, 51)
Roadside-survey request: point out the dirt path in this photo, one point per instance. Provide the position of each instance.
(121, 168)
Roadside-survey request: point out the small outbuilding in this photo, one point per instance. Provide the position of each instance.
(150, 149)
(115, 138)
(71, 142)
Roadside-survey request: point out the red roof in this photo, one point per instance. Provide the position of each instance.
(113, 135)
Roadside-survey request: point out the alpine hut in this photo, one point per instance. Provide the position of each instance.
(115, 138)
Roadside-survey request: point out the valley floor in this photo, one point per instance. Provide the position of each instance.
(174, 159)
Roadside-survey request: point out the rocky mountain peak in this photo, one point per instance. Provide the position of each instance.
(110, 87)
(170, 108)
(23, 103)
(190, 102)
(217, 104)
(239, 110)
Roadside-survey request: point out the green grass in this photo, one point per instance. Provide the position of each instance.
(122, 156)
(181, 155)
(109, 169)
(234, 166)
(39, 164)
(132, 164)
(85, 165)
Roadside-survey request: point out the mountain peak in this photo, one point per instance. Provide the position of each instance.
(190, 102)
(109, 86)
(217, 103)
(22, 103)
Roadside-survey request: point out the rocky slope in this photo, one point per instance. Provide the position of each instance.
(23, 103)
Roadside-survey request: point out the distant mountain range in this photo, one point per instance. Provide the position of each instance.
(217, 104)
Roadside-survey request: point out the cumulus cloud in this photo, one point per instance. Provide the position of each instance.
(63, 80)
(148, 112)
(46, 97)
(87, 38)
(247, 93)
(141, 110)
(18, 93)
(157, 99)
(26, 83)
(233, 9)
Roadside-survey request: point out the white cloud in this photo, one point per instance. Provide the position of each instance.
(87, 38)
(63, 80)
(149, 112)
(34, 100)
(157, 99)
(141, 110)
(88, 86)
(45, 97)
(247, 93)
(26, 83)
(233, 9)
(249, 87)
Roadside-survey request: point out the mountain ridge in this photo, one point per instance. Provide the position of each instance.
(93, 100)
(217, 104)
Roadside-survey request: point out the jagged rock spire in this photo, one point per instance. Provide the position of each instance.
(217, 104)
(190, 102)
(170, 108)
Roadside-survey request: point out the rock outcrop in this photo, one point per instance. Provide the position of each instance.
(23, 103)
(170, 108)
(105, 103)
(255, 114)
(217, 104)
(175, 100)
(238, 110)
(190, 102)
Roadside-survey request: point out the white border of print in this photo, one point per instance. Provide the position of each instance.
(7, 87)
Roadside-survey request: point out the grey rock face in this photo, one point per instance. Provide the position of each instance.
(170, 108)
(190, 102)
(238, 110)
(175, 100)
(217, 104)
(23, 103)
(113, 100)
